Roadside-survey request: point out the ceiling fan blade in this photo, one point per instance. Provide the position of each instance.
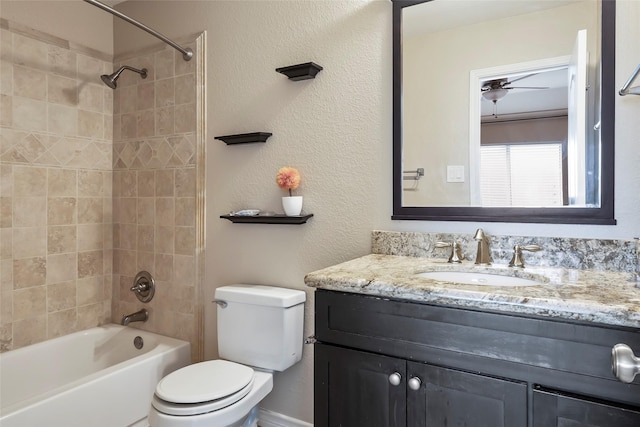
(522, 77)
(526, 87)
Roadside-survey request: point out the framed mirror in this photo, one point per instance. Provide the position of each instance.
(503, 111)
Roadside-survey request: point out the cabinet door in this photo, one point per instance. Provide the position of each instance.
(352, 389)
(447, 397)
(552, 409)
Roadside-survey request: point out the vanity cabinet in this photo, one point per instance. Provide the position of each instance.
(385, 362)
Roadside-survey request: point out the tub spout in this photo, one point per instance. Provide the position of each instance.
(138, 316)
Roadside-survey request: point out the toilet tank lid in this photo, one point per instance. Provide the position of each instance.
(261, 295)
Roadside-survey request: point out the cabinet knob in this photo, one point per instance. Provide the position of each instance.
(395, 378)
(414, 383)
(624, 364)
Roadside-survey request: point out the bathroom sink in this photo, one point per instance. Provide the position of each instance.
(478, 278)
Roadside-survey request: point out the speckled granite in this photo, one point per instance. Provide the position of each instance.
(583, 254)
(606, 297)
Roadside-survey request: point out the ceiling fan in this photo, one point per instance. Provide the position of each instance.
(496, 89)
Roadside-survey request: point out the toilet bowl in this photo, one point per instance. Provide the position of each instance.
(259, 331)
(181, 398)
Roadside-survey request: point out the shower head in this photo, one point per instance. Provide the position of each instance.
(110, 79)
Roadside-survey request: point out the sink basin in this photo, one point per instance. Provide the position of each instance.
(477, 278)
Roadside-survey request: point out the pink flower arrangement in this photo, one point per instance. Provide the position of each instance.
(288, 178)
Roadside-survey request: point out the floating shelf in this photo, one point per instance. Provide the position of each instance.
(304, 71)
(245, 138)
(267, 219)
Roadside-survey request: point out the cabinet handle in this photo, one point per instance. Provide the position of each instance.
(624, 364)
(414, 383)
(395, 378)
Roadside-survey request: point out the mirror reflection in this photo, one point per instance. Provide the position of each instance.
(500, 104)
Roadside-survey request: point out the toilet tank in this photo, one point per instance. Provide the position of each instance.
(260, 326)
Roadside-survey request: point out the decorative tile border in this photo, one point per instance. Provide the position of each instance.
(583, 254)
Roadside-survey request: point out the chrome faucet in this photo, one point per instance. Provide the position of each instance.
(138, 316)
(483, 257)
(456, 256)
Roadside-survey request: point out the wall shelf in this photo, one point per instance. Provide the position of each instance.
(305, 71)
(267, 219)
(245, 138)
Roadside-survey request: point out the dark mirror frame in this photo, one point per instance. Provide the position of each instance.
(565, 215)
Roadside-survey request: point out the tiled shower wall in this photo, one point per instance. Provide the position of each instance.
(154, 191)
(95, 185)
(55, 187)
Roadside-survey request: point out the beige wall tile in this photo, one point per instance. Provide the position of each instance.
(29, 302)
(185, 89)
(6, 110)
(185, 182)
(91, 98)
(182, 66)
(90, 124)
(146, 183)
(165, 183)
(128, 184)
(128, 123)
(62, 182)
(29, 242)
(29, 331)
(62, 61)
(128, 236)
(145, 238)
(91, 183)
(29, 83)
(145, 98)
(163, 270)
(61, 296)
(6, 275)
(62, 211)
(164, 121)
(28, 272)
(6, 77)
(6, 178)
(145, 126)
(62, 90)
(6, 307)
(90, 264)
(165, 211)
(165, 96)
(61, 268)
(29, 114)
(164, 238)
(6, 337)
(185, 211)
(164, 64)
(90, 290)
(90, 316)
(61, 323)
(185, 118)
(6, 212)
(145, 261)
(29, 181)
(90, 210)
(90, 237)
(146, 210)
(128, 210)
(62, 119)
(29, 211)
(184, 240)
(6, 243)
(61, 239)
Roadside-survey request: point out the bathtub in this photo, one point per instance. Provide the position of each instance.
(91, 378)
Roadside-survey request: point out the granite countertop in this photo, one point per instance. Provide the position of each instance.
(604, 297)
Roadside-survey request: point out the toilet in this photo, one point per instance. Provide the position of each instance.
(259, 331)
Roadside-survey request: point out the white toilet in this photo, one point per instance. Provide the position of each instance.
(259, 331)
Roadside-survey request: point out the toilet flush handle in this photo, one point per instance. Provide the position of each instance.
(222, 304)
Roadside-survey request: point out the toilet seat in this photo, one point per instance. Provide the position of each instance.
(203, 387)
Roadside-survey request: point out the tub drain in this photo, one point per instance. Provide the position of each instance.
(138, 342)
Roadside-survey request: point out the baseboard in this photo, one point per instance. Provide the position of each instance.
(273, 419)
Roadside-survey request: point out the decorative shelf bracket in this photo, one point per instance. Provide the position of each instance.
(305, 71)
(244, 138)
(267, 219)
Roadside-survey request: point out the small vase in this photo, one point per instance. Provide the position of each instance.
(292, 205)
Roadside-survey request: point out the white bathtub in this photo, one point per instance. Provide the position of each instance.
(91, 378)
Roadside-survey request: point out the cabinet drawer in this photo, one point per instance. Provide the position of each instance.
(555, 352)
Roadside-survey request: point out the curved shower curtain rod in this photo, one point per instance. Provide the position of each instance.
(187, 53)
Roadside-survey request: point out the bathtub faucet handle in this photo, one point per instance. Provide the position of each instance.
(144, 286)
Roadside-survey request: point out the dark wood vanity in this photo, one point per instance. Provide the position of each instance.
(392, 362)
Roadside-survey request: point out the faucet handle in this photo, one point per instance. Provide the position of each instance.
(517, 260)
(456, 256)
